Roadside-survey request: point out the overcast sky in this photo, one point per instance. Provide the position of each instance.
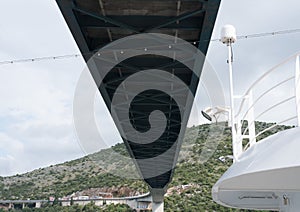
(36, 122)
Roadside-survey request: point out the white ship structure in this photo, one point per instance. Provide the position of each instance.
(265, 174)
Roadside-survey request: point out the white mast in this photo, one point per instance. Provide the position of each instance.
(228, 37)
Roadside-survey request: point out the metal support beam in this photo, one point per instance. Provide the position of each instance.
(211, 10)
(141, 22)
(175, 19)
(107, 19)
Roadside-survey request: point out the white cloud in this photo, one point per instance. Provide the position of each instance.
(36, 112)
(10, 150)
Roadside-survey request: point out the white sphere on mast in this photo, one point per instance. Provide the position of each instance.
(228, 34)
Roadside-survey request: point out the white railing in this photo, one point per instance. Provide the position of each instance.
(274, 97)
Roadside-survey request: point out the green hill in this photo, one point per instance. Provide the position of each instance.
(197, 170)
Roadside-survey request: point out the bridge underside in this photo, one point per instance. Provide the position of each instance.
(96, 23)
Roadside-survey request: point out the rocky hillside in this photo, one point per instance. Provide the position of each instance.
(197, 170)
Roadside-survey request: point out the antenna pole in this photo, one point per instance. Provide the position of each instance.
(232, 113)
(228, 37)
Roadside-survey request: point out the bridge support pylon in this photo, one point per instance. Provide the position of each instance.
(158, 199)
(157, 206)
